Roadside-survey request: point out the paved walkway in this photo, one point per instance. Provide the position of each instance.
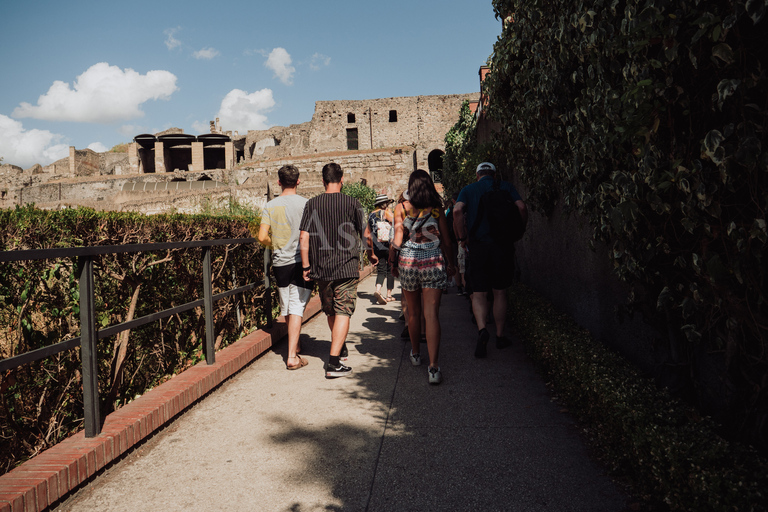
(488, 438)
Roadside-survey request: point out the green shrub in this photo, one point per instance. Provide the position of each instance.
(41, 402)
(672, 456)
(363, 193)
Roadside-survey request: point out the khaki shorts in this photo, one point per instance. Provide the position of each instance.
(338, 297)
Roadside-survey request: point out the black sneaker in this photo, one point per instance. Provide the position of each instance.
(331, 372)
(461, 290)
(481, 350)
(503, 342)
(405, 334)
(344, 353)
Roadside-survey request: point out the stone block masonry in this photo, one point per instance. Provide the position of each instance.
(386, 171)
(380, 141)
(419, 122)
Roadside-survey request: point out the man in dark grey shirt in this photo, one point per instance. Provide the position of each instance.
(332, 228)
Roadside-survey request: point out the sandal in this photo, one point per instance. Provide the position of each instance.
(379, 298)
(302, 363)
(389, 298)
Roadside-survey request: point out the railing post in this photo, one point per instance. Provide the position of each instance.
(88, 349)
(267, 285)
(210, 334)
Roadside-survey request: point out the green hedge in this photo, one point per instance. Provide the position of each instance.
(670, 454)
(41, 402)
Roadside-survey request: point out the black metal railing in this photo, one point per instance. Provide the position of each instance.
(89, 334)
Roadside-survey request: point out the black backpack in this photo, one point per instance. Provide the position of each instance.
(498, 209)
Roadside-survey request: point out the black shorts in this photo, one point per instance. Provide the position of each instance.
(490, 267)
(291, 275)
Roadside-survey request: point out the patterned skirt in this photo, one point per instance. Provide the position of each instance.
(422, 266)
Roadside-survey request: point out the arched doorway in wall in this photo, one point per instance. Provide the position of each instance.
(435, 163)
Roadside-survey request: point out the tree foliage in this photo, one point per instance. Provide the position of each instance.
(363, 193)
(649, 119)
(460, 146)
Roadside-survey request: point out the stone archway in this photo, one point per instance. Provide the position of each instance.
(435, 163)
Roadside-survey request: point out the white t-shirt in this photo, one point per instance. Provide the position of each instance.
(283, 215)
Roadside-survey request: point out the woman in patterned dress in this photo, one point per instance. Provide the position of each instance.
(422, 264)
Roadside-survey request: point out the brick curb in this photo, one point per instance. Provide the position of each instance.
(46, 478)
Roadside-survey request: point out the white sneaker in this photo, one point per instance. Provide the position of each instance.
(415, 359)
(435, 377)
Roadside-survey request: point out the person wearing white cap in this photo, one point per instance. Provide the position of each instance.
(491, 264)
(380, 223)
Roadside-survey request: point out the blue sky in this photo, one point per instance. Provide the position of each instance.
(97, 73)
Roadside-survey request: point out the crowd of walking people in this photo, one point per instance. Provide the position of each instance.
(425, 243)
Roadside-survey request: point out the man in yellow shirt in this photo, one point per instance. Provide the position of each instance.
(279, 230)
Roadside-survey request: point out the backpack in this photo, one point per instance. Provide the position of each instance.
(383, 229)
(498, 209)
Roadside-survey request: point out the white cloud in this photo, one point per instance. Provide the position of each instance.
(131, 130)
(98, 147)
(201, 127)
(102, 94)
(318, 61)
(279, 61)
(55, 152)
(206, 54)
(170, 41)
(242, 111)
(26, 148)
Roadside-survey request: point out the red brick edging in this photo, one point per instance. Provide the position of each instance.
(48, 477)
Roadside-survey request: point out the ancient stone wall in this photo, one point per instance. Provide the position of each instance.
(277, 142)
(114, 163)
(386, 171)
(394, 137)
(417, 121)
(87, 162)
(420, 122)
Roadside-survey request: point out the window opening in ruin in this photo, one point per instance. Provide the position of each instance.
(393, 116)
(351, 118)
(351, 139)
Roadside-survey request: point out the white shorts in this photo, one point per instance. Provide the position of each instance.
(293, 299)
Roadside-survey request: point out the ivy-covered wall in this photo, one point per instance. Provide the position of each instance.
(646, 120)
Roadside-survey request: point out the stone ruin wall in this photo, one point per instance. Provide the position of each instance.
(276, 142)
(421, 122)
(385, 171)
(84, 162)
(387, 153)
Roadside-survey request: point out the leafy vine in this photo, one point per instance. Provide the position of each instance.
(648, 118)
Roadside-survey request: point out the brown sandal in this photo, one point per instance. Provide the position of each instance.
(302, 363)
